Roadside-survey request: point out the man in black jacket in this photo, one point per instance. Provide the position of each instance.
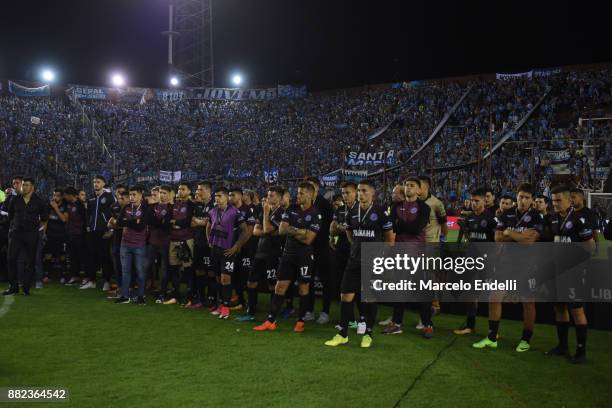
(27, 214)
(98, 235)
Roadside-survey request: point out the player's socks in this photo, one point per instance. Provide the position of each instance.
(581, 338)
(252, 294)
(371, 310)
(212, 290)
(562, 334)
(304, 305)
(527, 335)
(470, 322)
(226, 294)
(493, 328)
(275, 307)
(346, 309)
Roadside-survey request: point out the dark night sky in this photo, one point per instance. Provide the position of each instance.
(324, 44)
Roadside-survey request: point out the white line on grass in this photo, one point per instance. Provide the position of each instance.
(6, 305)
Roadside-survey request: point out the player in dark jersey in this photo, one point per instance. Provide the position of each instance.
(245, 257)
(300, 223)
(478, 227)
(520, 224)
(410, 218)
(490, 200)
(53, 248)
(341, 252)
(158, 221)
(579, 205)
(75, 233)
(203, 203)
(368, 222)
(122, 200)
(568, 225)
(269, 249)
(225, 245)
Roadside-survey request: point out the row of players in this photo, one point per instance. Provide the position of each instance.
(220, 243)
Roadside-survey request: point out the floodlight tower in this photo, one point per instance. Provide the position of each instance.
(190, 42)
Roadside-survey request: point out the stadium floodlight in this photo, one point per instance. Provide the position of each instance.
(237, 79)
(174, 81)
(47, 75)
(118, 80)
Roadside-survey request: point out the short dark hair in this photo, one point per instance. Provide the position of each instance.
(307, 186)
(559, 189)
(186, 184)
(124, 194)
(118, 186)
(100, 177)
(505, 197)
(480, 192)
(542, 196)
(414, 179)
(58, 190)
(425, 178)
(337, 197)
(488, 190)
(137, 187)
(205, 183)
(368, 182)
(576, 190)
(312, 179)
(17, 177)
(235, 189)
(155, 188)
(70, 191)
(222, 190)
(277, 189)
(348, 184)
(29, 180)
(525, 188)
(166, 187)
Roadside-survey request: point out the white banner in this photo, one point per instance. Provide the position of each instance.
(527, 75)
(558, 160)
(234, 94)
(169, 176)
(370, 159)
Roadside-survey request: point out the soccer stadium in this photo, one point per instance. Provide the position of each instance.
(310, 204)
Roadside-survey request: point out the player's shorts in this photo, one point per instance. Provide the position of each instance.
(55, 246)
(570, 305)
(264, 269)
(296, 268)
(351, 279)
(173, 258)
(201, 256)
(221, 264)
(245, 262)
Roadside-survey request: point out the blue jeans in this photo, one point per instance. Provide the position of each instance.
(132, 257)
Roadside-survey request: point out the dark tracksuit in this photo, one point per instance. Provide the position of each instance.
(98, 248)
(24, 223)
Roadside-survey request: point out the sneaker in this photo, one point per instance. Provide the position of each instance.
(122, 300)
(361, 328)
(523, 346)
(462, 331)
(385, 322)
(265, 326)
(299, 327)
(197, 305)
(245, 318)
(419, 326)
(337, 340)
(63, 280)
(225, 313)
(88, 285)
(366, 341)
(186, 305)
(428, 332)
(39, 285)
(140, 300)
(45, 279)
(323, 318)
(217, 310)
(308, 317)
(558, 351)
(579, 358)
(159, 300)
(113, 294)
(287, 313)
(72, 281)
(171, 301)
(392, 328)
(106, 286)
(353, 325)
(486, 342)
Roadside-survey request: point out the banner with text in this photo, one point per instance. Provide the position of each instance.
(371, 158)
(20, 90)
